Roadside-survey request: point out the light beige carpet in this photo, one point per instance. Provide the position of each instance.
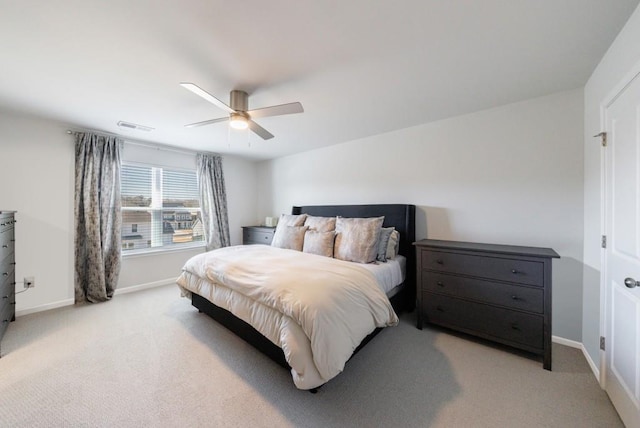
(150, 359)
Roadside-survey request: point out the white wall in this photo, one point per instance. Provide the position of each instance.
(37, 180)
(622, 55)
(510, 175)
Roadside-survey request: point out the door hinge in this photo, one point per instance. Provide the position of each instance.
(602, 343)
(603, 137)
(603, 243)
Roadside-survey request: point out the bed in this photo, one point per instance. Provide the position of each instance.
(209, 296)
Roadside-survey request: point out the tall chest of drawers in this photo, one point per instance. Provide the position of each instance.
(7, 270)
(498, 292)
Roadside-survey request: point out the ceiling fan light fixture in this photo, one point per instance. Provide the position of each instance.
(240, 117)
(238, 121)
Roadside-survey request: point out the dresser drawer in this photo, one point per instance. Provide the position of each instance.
(7, 274)
(6, 222)
(7, 283)
(7, 294)
(7, 312)
(254, 235)
(508, 295)
(7, 244)
(490, 267)
(490, 322)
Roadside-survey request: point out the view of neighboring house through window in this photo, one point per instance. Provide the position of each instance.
(160, 209)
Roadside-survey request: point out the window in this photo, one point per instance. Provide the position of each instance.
(160, 209)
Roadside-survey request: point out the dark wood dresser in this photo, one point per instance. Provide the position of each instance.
(497, 292)
(7, 271)
(257, 235)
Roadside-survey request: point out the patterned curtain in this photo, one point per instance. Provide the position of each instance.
(213, 201)
(97, 217)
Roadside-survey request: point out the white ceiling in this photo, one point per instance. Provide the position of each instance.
(359, 67)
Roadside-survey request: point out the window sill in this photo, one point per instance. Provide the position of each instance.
(156, 252)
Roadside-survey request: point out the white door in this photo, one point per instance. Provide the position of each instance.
(622, 256)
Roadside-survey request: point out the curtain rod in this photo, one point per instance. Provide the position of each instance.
(141, 143)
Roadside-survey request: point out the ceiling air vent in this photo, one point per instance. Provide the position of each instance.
(123, 124)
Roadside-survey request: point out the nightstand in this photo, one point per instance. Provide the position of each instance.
(257, 235)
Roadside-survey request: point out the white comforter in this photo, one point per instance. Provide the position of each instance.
(315, 308)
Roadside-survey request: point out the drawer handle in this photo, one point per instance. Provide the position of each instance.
(440, 284)
(515, 298)
(515, 272)
(5, 273)
(5, 297)
(5, 246)
(514, 326)
(440, 262)
(439, 309)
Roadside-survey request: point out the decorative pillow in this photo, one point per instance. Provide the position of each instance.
(383, 243)
(321, 224)
(290, 237)
(320, 243)
(285, 221)
(356, 239)
(394, 245)
(292, 219)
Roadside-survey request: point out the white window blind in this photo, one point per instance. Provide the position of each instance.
(160, 209)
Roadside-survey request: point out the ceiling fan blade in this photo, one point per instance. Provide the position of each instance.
(276, 110)
(206, 122)
(207, 96)
(262, 133)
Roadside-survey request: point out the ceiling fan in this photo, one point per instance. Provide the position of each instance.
(239, 116)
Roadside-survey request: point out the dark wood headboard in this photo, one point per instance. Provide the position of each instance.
(400, 216)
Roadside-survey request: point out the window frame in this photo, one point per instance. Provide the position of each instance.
(161, 249)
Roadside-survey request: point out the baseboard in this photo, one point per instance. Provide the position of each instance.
(145, 286)
(566, 342)
(70, 302)
(580, 346)
(594, 368)
(42, 308)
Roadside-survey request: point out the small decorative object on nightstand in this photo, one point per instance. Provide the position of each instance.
(257, 235)
(497, 292)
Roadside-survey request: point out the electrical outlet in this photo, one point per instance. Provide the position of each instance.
(29, 282)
